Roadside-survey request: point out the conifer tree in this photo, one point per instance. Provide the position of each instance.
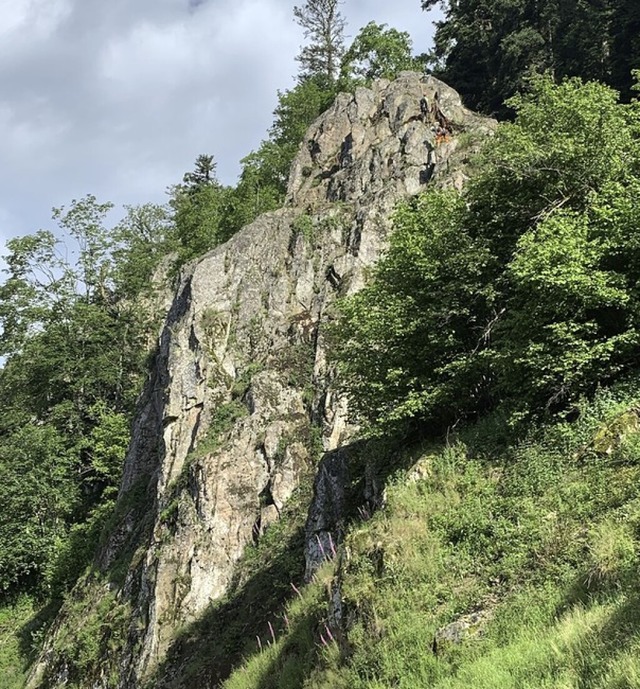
(204, 172)
(324, 25)
(486, 49)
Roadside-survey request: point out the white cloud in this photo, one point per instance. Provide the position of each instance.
(28, 20)
(152, 56)
(30, 135)
(207, 47)
(117, 98)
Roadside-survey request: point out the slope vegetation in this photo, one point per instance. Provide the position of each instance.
(491, 564)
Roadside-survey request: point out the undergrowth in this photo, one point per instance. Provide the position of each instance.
(16, 641)
(491, 565)
(91, 621)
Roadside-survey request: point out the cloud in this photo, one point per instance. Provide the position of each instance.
(118, 98)
(26, 21)
(29, 138)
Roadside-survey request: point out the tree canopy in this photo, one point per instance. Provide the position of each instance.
(377, 53)
(486, 48)
(74, 340)
(521, 292)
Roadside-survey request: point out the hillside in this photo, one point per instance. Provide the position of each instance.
(241, 404)
(481, 527)
(487, 564)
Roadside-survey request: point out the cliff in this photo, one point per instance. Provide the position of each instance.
(241, 406)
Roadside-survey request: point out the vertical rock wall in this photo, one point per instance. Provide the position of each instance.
(241, 397)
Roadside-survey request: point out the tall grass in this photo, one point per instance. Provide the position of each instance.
(536, 541)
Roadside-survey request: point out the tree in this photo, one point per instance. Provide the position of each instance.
(38, 494)
(204, 173)
(39, 283)
(265, 173)
(406, 342)
(199, 209)
(84, 222)
(524, 291)
(142, 239)
(377, 52)
(74, 342)
(625, 45)
(324, 25)
(486, 48)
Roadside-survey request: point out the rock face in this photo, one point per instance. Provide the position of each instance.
(240, 405)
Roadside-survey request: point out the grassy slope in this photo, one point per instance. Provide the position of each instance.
(13, 664)
(23, 623)
(540, 540)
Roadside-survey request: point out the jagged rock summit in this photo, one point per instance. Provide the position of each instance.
(240, 405)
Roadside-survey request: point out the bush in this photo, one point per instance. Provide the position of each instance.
(522, 292)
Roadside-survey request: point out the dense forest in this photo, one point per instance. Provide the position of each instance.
(509, 312)
(487, 49)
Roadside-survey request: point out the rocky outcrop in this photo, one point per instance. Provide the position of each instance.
(324, 527)
(241, 405)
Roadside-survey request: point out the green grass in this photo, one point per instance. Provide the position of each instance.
(13, 659)
(539, 537)
(23, 624)
(93, 635)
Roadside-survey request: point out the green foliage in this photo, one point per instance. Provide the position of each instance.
(296, 110)
(107, 444)
(143, 238)
(567, 328)
(243, 382)
(16, 620)
(200, 208)
(38, 493)
(74, 342)
(38, 284)
(377, 53)
(297, 362)
(204, 173)
(222, 421)
(612, 553)
(407, 339)
(84, 221)
(485, 49)
(303, 225)
(261, 186)
(522, 292)
(93, 635)
(531, 549)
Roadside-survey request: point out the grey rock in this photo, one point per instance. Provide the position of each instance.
(221, 441)
(464, 628)
(324, 527)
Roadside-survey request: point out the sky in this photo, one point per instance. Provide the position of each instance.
(117, 98)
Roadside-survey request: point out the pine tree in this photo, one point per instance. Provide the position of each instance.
(204, 173)
(324, 26)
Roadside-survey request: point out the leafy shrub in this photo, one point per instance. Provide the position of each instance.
(612, 550)
(521, 292)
